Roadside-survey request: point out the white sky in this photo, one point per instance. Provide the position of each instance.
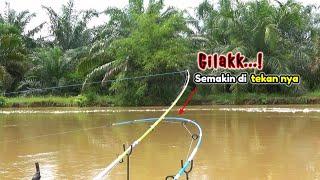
(99, 5)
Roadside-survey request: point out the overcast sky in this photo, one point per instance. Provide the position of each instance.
(100, 5)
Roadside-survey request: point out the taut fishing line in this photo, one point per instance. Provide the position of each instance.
(96, 82)
(155, 122)
(51, 134)
(127, 151)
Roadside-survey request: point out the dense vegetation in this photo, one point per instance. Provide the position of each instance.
(149, 39)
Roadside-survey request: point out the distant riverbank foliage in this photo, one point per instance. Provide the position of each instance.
(88, 100)
(152, 38)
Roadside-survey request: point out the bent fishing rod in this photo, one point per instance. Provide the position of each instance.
(190, 157)
(114, 163)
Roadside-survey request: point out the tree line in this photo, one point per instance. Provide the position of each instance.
(145, 39)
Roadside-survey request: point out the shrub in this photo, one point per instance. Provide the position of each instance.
(2, 101)
(87, 99)
(81, 100)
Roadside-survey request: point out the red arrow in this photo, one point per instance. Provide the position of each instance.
(181, 110)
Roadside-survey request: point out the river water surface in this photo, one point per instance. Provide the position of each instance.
(239, 142)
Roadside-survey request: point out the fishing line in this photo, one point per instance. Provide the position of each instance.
(185, 126)
(96, 82)
(189, 148)
(52, 134)
(155, 121)
(115, 162)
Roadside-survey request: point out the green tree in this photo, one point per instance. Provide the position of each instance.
(13, 56)
(51, 67)
(286, 33)
(70, 29)
(20, 20)
(149, 41)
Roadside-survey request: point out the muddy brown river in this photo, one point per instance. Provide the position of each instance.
(239, 142)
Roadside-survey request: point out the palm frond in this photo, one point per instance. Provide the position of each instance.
(35, 30)
(99, 70)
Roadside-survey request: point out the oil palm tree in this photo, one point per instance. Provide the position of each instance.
(283, 32)
(20, 20)
(69, 29)
(50, 66)
(13, 55)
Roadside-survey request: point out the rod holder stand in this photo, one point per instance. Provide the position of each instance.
(169, 177)
(187, 171)
(128, 159)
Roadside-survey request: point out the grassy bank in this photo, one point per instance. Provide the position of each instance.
(56, 101)
(104, 101)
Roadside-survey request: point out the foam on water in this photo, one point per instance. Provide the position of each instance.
(277, 110)
(76, 111)
(24, 111)
(39, 155)
(257, 109)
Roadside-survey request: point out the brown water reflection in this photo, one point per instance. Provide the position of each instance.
(236, 144)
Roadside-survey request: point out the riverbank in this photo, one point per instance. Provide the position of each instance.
(55, 101)
(106, 101)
